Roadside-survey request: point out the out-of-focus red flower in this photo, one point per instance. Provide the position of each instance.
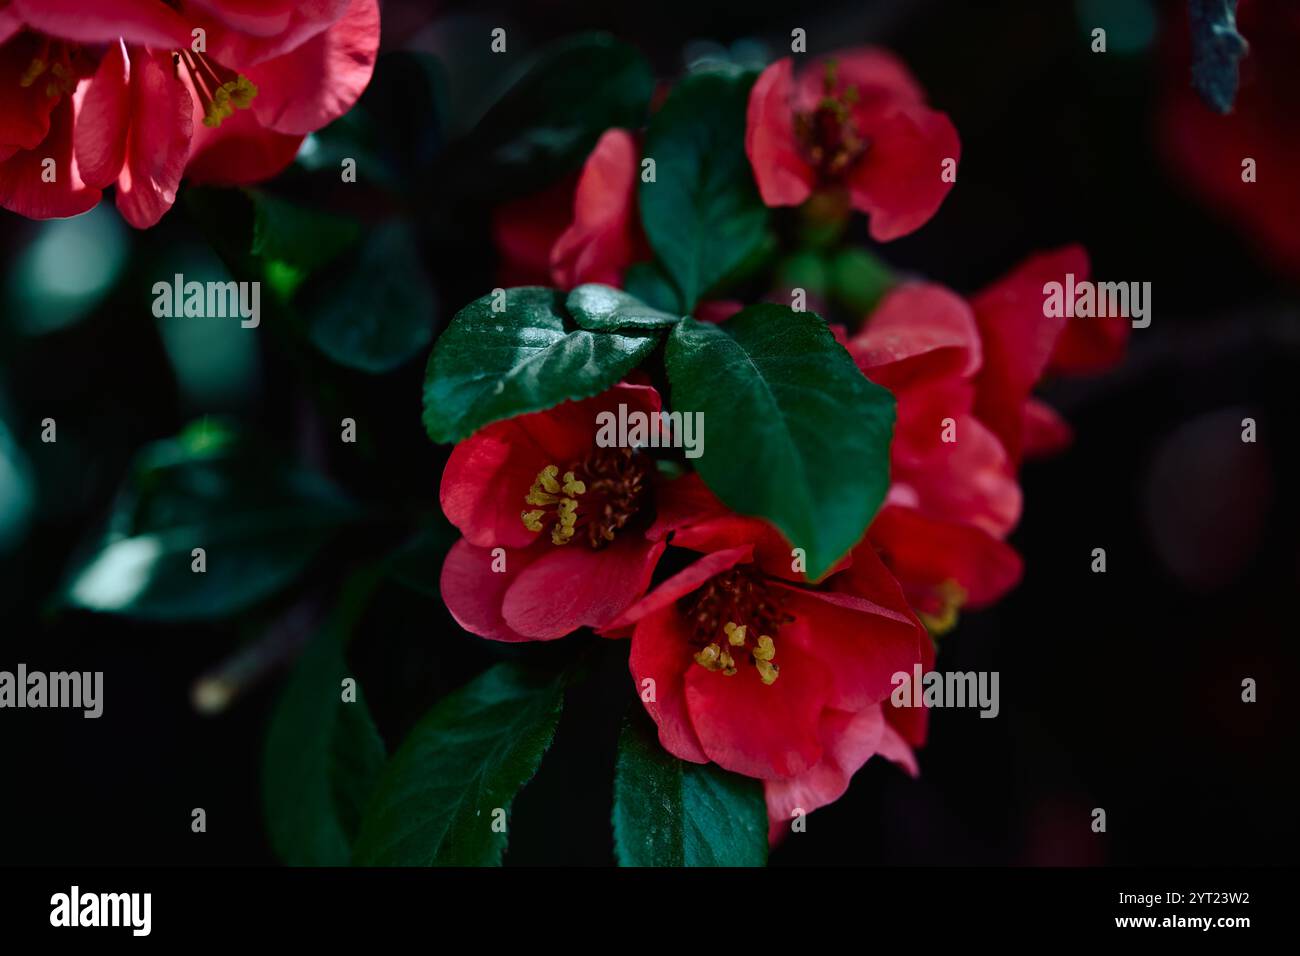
(953, 495)
(577, 232)
(855, 121)
(581, 526)
(116, 92)
(1021, 344)
(1208, 149)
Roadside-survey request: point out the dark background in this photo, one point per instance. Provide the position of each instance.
(1119, 691)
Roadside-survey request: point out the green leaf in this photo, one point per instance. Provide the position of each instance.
(488, 366)
(601, 308)
(797, 435)
(323, 755)
(380, 310)
(294, 242)
(259, 520)
(437, 798)
(550, 118)
(669, 812)
(702, 214)
(646, 281)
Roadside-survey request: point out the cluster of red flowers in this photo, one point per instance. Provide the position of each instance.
(738, 658)
(140, 93)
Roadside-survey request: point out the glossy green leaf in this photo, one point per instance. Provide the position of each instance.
(702, 214)
(670, 812)
(258, 519)
(602, 308)
(795, 433)
(458, 771)
(490, 365)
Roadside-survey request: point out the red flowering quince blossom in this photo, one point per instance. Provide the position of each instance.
(952, 503)
(768, 676)
(115, 92)
(577, 522)
(578, 231)
(855, 121)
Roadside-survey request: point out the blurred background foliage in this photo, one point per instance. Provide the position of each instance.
(1119, 691)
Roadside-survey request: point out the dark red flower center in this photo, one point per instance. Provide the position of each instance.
(733, 619)
(592, 499)
(829, 134)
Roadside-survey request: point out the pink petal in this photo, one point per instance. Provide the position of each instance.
(661, 653)
(1045, 431)
(22, 190)
(898, 182)
(848, 741)
(571, 586)
(238, 152)
(783, 177)
(105, 119)
(1019, 339)
(681, 584)
(879, 76)
(255, 17)
(860, 643)
(319, 80)
(602, 241)
(158, 143)
(146, 22)
(769, 731)
(924, 553)
(473, 592)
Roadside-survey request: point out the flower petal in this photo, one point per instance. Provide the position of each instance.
(24, 110)
(848, 741)
(158, 143)
(861, 644)
(924, 553)
(898, 182)
(146, 22)
(105, 119)
(319, 80)
(24, 191)
(237, 152)
(1019, 339)
(783, 177)
(661, 654)
(603, 238)
(473, 592)
(760, 730)
(572, 586)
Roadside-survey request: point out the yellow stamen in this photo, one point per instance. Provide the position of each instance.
(766, 649)
(951, 597)
(547, 492)
(34, 70)
(767, 671)
(735, 633)
(708, 658)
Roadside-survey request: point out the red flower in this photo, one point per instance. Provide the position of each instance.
(1021, 343)
(856, 121)
(602, 236)
(116, 93)
(576, 521)
(770, 678)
